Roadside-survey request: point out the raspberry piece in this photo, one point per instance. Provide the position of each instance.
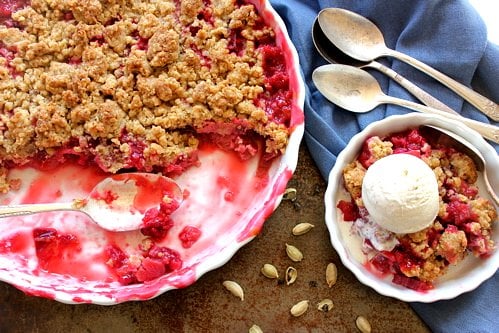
(410, 141)
(157, 222)
(382, 263)
(170, 258)
(150, 269)
(349, 210)
(278, 104)
(120, 262)
(189, 235)
(459, 213)
(116, 256)
(50, 245)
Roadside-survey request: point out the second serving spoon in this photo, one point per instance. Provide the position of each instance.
(361, 39)
(356, 90)
(334, 55)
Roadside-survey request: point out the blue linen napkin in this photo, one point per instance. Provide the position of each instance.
(450, 36)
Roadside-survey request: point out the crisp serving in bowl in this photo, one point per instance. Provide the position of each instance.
(410, 216)
(207, 92)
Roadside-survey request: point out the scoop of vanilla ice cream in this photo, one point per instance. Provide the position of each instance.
(400, 193)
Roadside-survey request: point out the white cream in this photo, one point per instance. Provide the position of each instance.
(400, 192)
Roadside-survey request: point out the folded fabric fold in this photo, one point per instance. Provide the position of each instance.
(447, 35)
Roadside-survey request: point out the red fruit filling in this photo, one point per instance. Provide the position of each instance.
(137, 147)
(157, 221)
(236, 42)
(50, 245)
(411, 283)
(232, 137)
(383, 262)
(410, 142)
(189, 235)
(7, 7)
(145, 266)
(108, 196)
(277, 97)
(458, 213)
(349, 210)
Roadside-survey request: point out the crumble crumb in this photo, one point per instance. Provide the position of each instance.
(353, 175)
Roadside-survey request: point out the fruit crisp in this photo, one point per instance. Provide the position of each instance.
(463, 224)
(137, 85)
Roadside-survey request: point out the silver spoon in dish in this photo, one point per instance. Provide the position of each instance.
(361, 39)
(117, 203)
(335, 56)
(358, 91)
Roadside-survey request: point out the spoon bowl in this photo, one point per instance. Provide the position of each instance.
(117, 203)
(361, 39)
(348, 87)
(329, 51)
(358, 91)
(352, 33)
(334, 55)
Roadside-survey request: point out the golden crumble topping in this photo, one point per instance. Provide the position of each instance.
(353, 174)
(132, 84)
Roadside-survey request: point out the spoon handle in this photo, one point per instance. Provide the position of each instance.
(488, 131)
(482, 103)
(28, 209)
(416, 91)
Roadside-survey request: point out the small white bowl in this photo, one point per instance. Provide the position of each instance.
(465, 276)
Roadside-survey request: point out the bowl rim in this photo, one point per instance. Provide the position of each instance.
(393, 124)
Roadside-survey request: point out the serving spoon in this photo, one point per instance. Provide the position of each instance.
(361, 39)
(335, 56)
(356, 90)
(117, 203)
